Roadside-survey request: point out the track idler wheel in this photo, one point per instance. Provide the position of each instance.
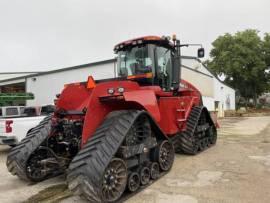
(203, 144)
(114, 180)
(145, 175)
(165, 155)
(213, 135)
(133, 182)
(35, 171)
(154, 170)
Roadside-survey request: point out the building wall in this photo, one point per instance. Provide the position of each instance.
(209, 102)
(216, 95)
(45, 87)
(204, 83)
(195, 65)
(224, 97)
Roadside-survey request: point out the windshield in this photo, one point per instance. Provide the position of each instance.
(135, 61)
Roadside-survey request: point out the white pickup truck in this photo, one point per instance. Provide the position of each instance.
(14, 128)
(11, 111)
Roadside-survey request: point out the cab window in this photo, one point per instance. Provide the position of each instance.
(164, 67)
(134, 61)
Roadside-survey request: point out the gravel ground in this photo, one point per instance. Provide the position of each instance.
(237, 169)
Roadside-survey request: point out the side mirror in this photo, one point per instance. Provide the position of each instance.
(200, 52)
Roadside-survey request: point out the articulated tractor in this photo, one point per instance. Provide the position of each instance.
(113, 137)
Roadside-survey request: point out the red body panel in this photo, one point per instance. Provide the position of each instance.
(147, 99)
(174, 111)
(169, 111)
(74, 97)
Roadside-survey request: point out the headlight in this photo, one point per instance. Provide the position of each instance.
(110, 91)
(121, 90)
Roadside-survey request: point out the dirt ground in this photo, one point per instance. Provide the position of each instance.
(237, 169)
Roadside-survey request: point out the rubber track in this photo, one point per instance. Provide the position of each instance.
(18, 156)
(86, 170)
(187, 138)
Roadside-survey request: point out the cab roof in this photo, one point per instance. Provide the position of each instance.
(163, 41)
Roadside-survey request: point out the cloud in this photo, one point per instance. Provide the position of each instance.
(42, 35)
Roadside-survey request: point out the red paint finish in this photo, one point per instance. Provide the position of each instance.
(175, 111)
(74, 97)
(147, 99)
(169, 111)
(133, 98)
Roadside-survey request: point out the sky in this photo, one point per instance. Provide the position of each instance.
(41, 35)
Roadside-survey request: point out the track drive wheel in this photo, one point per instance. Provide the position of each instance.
(114, 180)
(164, 155)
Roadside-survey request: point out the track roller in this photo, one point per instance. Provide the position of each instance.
(145, 175)
(154, 170)
(200, 133)
(213, 135)
(133, 182)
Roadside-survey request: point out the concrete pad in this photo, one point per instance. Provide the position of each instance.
(237, 169)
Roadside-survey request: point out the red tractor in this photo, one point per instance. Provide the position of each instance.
(113, 137)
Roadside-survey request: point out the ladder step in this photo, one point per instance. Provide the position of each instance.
(180, 110)
(181, 120)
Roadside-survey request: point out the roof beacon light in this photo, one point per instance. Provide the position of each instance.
(174, 37)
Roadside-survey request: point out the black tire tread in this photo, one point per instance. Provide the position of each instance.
(18, 156)
(187, 138)
(86, 169)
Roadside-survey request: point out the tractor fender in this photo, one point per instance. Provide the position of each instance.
(145, 98)
(160, 135)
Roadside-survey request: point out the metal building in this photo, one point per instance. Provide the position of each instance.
(45, 85)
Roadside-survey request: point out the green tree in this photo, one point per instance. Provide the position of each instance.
(241, 59)
(266, 49)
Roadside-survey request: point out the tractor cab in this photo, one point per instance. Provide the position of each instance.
(147, 60)
(150, 61)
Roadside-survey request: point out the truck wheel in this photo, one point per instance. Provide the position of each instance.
(19, 156)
